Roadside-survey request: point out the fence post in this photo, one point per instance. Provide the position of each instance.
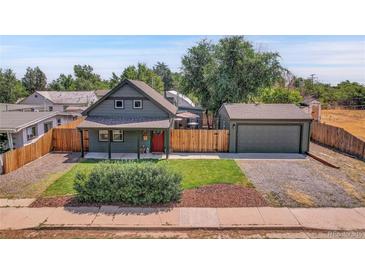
(82, 142)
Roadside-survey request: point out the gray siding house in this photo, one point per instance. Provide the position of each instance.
(272, 128)
(66, 101)
(19, 128)
(130, 118)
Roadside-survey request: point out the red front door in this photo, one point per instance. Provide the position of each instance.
(157, 141)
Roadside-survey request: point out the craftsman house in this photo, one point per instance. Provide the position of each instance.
(130, 118)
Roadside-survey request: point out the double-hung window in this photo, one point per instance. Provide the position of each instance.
(31, 132)
(118, 135)
(118, 104)
(137, 103)
(103, 135)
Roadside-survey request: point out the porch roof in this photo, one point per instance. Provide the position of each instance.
(124, 123)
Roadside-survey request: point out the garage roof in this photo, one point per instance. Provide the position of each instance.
(265, 112)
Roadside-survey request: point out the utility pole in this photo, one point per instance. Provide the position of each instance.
(312, 78)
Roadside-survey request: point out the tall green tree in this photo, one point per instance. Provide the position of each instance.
(34, 79)
(230, 71)
(63, 82)
(11, 89)
(145, 74)
(162, 70)
(279, 95)
(114, 80)
(194, 66)
(87, 79)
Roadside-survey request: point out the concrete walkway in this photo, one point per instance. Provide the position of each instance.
(180, 218)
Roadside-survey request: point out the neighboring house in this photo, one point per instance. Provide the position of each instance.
(277, 128)
(19, 107)
(19, 128)
(101, 92)
(73, 101)
(188, 114)
(130, 118)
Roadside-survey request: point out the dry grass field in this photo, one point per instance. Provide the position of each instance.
(351, 120)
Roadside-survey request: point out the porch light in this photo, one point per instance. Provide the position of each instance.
(145, 137)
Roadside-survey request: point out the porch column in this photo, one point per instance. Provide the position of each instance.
(138, 145)
(168, 142)
(110, 144)
(82, 142)
(10, 140)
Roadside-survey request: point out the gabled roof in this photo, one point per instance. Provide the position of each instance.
(16, 120)
(144, 89)
(69, 97)
(265, 112)
(101, 92)
(124, 123)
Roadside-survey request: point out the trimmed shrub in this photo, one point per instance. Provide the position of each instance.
(132, 183)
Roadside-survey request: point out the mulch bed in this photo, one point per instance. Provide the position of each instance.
(217, 195)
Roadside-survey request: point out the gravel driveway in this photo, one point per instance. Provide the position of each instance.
(32, 179)
(309, 183)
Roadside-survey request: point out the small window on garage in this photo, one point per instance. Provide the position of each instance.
(118, 135)
(59, 121)
(118, 104)
(50, 108)
(103, 135)
(137, 103)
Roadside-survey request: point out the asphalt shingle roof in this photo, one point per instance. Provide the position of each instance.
(124, 123)
(16, 120)
(69, 97)
(265, 112)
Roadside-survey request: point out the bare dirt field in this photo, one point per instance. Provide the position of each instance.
(351, 120)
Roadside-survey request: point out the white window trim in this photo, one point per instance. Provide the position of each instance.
(122, 133)
(100, 140)
(35, 132)
(139, 100)
(115, 103)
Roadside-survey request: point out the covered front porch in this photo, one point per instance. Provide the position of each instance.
(116, 138)
(123, 156)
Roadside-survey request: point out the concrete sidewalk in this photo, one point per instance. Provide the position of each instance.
(181, 218)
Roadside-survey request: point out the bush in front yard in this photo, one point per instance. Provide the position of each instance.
(130, 183)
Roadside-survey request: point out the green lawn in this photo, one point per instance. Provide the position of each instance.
(195, 173)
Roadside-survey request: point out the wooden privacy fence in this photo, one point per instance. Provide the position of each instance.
(338, 138)
(63, 138)
(68, 139)
(72, 124)
(199, 140)
(19, 157)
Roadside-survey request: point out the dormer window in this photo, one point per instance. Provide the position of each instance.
(118, 104)
(137, 103)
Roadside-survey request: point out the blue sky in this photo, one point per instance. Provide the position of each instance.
(332, 58)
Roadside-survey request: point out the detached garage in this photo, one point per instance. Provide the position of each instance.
(266, 128)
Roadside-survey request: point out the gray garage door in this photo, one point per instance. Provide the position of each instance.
(268, 138)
